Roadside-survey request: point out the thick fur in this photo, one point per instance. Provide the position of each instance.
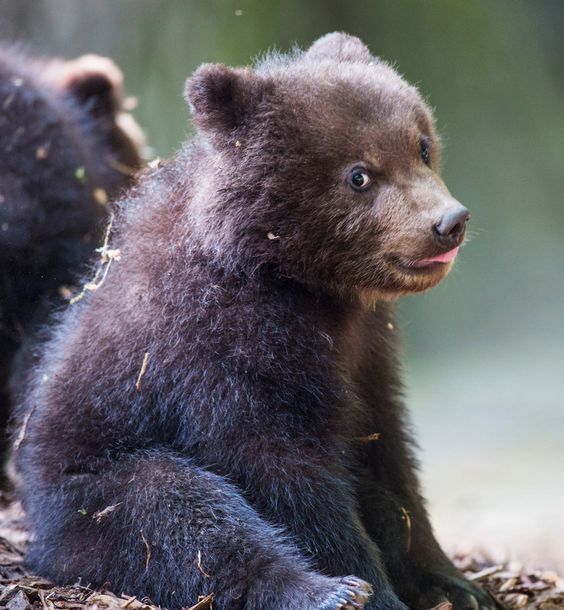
(207, 421)
(63, 154)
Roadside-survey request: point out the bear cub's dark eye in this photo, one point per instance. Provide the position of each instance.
(359, 179)
(425, 145)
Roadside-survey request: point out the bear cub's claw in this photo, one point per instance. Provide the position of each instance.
(350, 593)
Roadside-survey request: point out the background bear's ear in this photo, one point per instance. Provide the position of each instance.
(339, 47)
(95, 82)
(220, 97)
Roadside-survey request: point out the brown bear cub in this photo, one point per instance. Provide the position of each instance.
(224, 416)
(66, 148)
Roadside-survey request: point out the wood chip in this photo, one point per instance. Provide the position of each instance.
(485, 573)
(19, 601)
(128, 602)
(203, 603)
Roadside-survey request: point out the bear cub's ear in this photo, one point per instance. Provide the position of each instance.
(222, 98)
(339, 46)
(95, 82)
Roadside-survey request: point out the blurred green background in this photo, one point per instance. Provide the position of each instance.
(485, 350)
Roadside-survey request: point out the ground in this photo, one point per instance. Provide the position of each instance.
(20, 590)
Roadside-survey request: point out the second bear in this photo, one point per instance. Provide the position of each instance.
(66, 149)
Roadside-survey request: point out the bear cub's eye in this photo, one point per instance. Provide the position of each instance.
(425, 144)
(359, 179)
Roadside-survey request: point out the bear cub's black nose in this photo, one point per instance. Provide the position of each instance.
(450, 230)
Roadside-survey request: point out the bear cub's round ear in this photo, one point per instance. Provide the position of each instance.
(339, 46)
(222, 98)
(95, 82)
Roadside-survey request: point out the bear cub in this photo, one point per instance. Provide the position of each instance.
(233, 419)
(67, 148)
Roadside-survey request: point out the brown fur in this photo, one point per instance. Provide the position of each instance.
(245, 265)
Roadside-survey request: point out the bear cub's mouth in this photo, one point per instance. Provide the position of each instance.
(446, 257)
(414, 265)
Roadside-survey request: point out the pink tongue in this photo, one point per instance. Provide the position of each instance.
(443, 258)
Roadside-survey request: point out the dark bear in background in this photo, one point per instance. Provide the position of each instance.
(233, 421)
(66, 149)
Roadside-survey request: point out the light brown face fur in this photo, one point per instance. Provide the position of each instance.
(301, 131)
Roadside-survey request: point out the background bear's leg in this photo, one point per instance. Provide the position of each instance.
(151, 523)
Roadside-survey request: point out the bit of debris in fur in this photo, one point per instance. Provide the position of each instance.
(512, 584)
(142, 371)
(148, 558)
(99, 515)
(443, 606)
(271, 235)
(375, 436)
(80, 174)
(199, 565)
(390, 326)
(121, 167)
(42, 152)
(23, 430)
(65, 292)
(130, 103)
(7, 102)
(100, 196)
(107, 255)
(407, 518)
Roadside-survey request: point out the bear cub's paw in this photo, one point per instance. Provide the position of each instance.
(454, 588)
(352, 593)
(347, 593)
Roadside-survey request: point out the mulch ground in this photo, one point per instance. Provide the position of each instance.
(20, 590)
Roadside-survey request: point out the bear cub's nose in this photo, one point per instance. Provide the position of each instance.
(449, 231)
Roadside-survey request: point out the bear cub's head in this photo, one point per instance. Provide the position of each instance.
(324, 165)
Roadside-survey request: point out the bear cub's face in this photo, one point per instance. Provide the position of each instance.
(327, 162)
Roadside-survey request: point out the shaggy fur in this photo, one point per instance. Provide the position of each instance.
(63, 153)
(208, 421)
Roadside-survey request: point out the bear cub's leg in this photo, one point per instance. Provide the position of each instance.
(154, 523)
(421, 573)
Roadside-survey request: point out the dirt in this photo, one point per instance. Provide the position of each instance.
(21, 590)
